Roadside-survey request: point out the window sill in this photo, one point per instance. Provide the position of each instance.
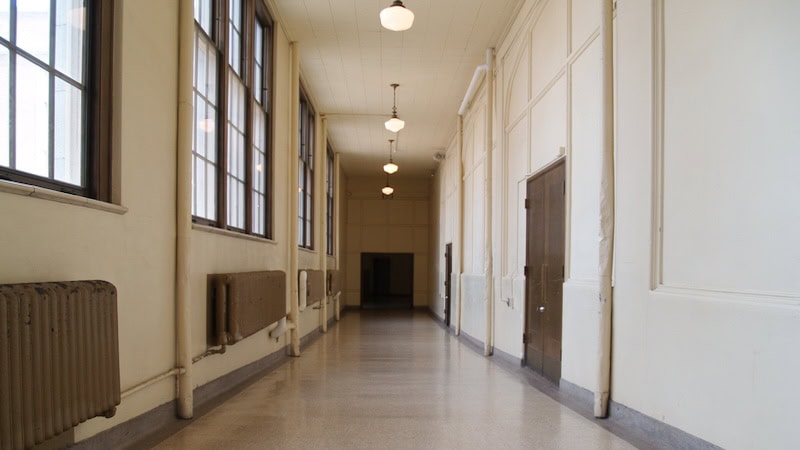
(10, 187)
(232, 234)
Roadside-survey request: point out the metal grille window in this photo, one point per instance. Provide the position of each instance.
(329, 185)
(305, 191)
(55, 82)
(232, 141)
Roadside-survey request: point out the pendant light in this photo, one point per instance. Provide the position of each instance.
(394, 124)
(387, 191)
(390, 167)
(397, 17)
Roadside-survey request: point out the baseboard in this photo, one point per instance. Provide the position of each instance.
(152, 427)
(635, 427)
(475, 343)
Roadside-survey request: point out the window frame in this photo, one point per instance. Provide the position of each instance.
(96, 157)
(306, 200)
(329, 200)
(252, 11)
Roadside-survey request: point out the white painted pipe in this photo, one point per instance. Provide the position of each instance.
(337, 231)
(279, 328)
(183, 210)
(322, 160)
(603, 375)
(302, 290)
(151, 381)
(294, 99)
(489, 342)
(473, 86)
(460, 237)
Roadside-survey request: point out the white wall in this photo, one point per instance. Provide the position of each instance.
(707, 296)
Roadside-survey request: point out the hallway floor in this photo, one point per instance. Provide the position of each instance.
(391, 379)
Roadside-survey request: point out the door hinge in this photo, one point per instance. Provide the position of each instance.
(562, 272)
(525, 271)
(524, 338)
(564, 188)
(527, 203)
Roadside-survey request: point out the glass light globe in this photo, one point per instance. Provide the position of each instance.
(387, 190)
(394, 124)
(397, 17)
(390, 168)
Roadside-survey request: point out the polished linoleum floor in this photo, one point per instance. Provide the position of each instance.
(381, 380)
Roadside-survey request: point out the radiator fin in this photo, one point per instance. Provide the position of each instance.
(59, 358)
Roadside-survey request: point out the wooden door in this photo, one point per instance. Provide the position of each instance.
(448, 269)
(544, 271)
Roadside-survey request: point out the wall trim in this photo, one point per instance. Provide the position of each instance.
(26, 190)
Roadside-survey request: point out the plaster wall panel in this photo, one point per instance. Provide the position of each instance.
(585, 175)
(549, 125)
(585, 21)
(548, 45)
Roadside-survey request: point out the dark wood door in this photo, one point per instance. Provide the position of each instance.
(544, 271)
(448, 269)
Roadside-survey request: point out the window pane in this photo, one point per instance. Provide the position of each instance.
(4, 108)
(70, 17)
(235, 36)
(258, 51)
(5, 19)
(32, 130)
(203, 14)
(199, 191)
(211, 191)
(68, 132)
(33, 28)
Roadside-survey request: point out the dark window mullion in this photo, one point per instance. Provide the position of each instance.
(222, 136)
(51, 113)
(12, 88)
(248, 69)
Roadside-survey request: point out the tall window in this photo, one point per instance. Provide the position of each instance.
(329, 201)
(305, 191)
(232, 99)
(55, 84)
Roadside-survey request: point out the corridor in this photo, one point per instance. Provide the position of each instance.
(383, 379)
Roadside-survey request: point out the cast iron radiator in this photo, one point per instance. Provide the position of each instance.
(241, 304)
(59, 358)
(315, 286)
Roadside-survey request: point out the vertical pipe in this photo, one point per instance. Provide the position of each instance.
(460, 216)
(183, 220)
(489, 342)
(603, 375)
(294, 100)
(337, 230)
(322, 224)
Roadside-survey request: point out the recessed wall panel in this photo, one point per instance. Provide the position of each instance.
(730, 215)
(548, 45)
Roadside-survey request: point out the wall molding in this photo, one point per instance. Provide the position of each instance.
(743, 297)
(26, 190)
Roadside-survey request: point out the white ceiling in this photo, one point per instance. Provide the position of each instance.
(348, 62)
